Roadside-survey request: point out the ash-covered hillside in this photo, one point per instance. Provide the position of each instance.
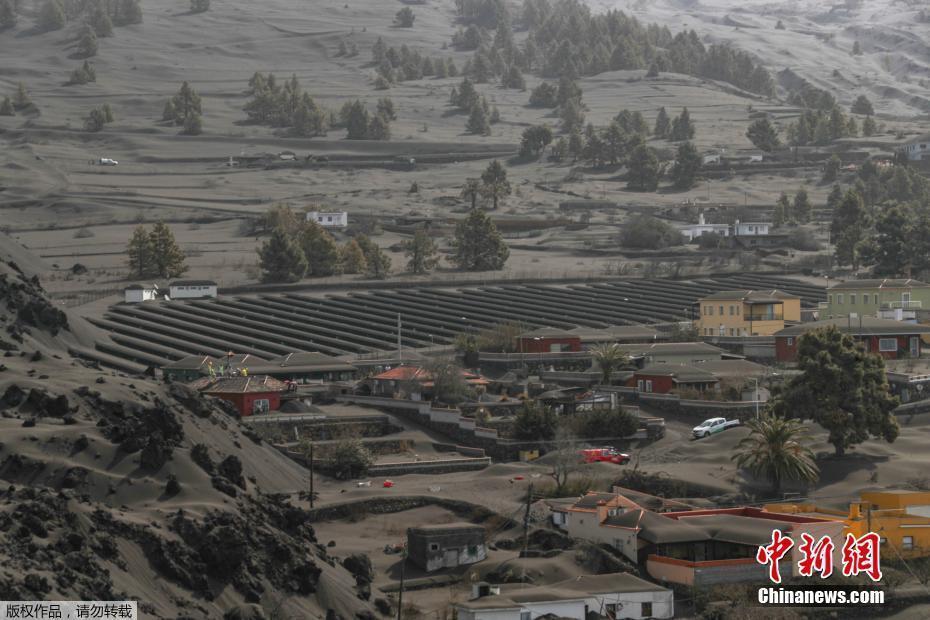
(117, 487)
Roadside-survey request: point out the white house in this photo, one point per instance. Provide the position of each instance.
(191, 289)
(918, 149)
(614, 595)
(137, 293)
(746, 229)
(329, 219)
(692, 231)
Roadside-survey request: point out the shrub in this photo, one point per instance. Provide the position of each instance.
(350, 459)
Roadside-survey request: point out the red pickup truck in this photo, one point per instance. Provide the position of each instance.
(607, 455)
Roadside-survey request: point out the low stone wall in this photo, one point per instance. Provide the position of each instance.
(281, 430)
(441, 466)
(473, 513)
(697, 410)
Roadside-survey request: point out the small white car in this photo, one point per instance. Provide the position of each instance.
(711, 426)
(106, 161)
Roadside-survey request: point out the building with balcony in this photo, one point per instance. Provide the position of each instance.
(917, 149)
(888, 298)
(901, 518)
(745, 313)
(890, 339)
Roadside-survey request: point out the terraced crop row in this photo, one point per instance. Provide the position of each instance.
(352, 323)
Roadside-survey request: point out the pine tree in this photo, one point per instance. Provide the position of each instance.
(405, 17)
(200, 6)
(662, 124)
(130, 12)
(52, 16)
(379, 128)
(494, 183)
(21, 98)
(377, 263)
(846, 229)
(7, 14)
(763, 135)
(478, 123)
(140, 253)
(6, 107)
(682, 128)
(87, 45)
(868, 127)
(281, 259)
(466, 97)
(385, 108)
(857, 49)
(101, 23)
(186, 105)
(357, 121)
(169, 113)
(831, 169)
(478, 245)
(193, 125)
(802, 208)
(319, 249)
(95, 120)
(643, 168)
(168, 261)
(352, 258)
(421, 252)
(687, 165)
(783, 209)
(863, 106)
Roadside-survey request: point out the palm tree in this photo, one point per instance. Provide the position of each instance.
(608, 357)
(773, 449)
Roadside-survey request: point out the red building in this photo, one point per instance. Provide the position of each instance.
(548, 340)
(890, 339)
(250, 395)
(665, 378)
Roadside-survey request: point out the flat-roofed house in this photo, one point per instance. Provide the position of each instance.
(188, 368)
(614, 595)
(887, 298)
(746, 312)
(889, 339)
(446, 545)
(192, 289)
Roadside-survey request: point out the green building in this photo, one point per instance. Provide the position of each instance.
(884, 299)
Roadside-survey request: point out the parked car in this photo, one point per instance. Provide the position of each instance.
(606, 455)
(106, 161)
(711, 426)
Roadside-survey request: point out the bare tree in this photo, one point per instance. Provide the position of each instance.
(565, 457)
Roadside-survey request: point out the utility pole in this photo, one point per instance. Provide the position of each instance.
(400, 350)
(526, 530)
(297, 437)
(400, 592)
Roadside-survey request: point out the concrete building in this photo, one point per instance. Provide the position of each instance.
(448, 545)
(917, 149)
(901, 518)
(329, 219)
(693, 231)
(192, 289)
(303, 367)
(137, 293)
(746, 229)
(250, 395)
(675, 353)
(548, 340)
(701, 376)
(188, 368)
(614, 595)
(746, 313)
(881, 298)
(890, 339)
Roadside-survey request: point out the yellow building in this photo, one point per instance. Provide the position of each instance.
(900, 518)
(746, 313)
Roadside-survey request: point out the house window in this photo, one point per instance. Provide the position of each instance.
(731, 310)
(790, 341)
(737, 310)
(829, 299)
(434, 546)
(526, 615)
(839, 299)
(648, 385)
(852, 299)
(710, 310)
(865, 299)
(907, 543)
(640, 385)
(721, 310)
(887, 344)
(610, 610)
(261, 405)
(646, 611)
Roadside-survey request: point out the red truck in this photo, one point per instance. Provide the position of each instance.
(607, 455)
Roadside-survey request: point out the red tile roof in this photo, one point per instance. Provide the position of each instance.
(418, 373)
